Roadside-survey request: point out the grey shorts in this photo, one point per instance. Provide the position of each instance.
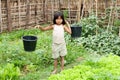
(58, 50)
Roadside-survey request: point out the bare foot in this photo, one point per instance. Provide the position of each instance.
(54, 72)
(61, 69)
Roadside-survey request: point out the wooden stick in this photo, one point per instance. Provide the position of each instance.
(84, 1)
(44, 12)
(19, 7)
(69, 9)
(52, 4)
(96, 15)
(27, 13)
(110, 16)
(0, 17)
(116, 16)
(96, 8)
(35, 11)
(79, 10)
(9, 19)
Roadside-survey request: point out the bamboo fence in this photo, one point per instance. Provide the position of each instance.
(23, 14)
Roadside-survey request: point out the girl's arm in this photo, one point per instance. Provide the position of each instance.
(44, 28)
(67, 28)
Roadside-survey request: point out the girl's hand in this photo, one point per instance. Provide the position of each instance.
(37, 27)
(67, 27)
(67, 23)
(44, 28)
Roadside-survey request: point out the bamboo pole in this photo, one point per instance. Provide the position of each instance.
(44, 12)
(46, 16)
(27, 13)
(91, 6)
(79, 10)
(0, 17)
(19, 7)
(59, 5)
(36, 12)
(106, 4)
(84, 1)
(96, 15)
(116, 16)
(52, 4)
(9, 19)
(96, 8)
(69, 9)
(110, 17)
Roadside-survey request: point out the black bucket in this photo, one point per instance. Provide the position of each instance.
(76, 31)
(29, 43)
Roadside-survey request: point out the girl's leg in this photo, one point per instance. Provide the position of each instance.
(62, 62)
(55, 66)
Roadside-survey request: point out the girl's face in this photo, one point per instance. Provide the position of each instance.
(59, 20)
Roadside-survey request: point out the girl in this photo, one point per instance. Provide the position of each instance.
(58, 45)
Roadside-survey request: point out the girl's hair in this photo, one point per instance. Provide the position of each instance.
(56, 15)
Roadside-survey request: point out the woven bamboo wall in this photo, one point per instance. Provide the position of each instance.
(18, 14)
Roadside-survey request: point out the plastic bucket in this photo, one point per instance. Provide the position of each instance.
(29, 43)
(76, 31)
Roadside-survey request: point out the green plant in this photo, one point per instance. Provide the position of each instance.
(90, 26)
(9, 72)
(65, 12)
(117, 26)
(75, 50)
(117, 22)
(103, 43)
(106, 68)
(12, 51)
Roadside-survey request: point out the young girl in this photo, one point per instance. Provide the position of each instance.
(58, 45)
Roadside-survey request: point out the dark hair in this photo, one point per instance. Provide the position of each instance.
(56, 15)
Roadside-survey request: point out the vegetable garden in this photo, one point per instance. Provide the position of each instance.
(95, 55)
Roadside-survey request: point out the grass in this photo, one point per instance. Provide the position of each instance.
(12, 51)
(37, 65)
(44, 73)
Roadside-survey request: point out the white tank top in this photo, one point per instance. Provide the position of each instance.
(58, 34)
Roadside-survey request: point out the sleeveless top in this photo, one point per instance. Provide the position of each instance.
(58, 34)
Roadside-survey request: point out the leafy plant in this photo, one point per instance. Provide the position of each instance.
(117, 22)
(107, 68)
(9, 72)
(103, 43)
(65, 12)
(90, 25)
